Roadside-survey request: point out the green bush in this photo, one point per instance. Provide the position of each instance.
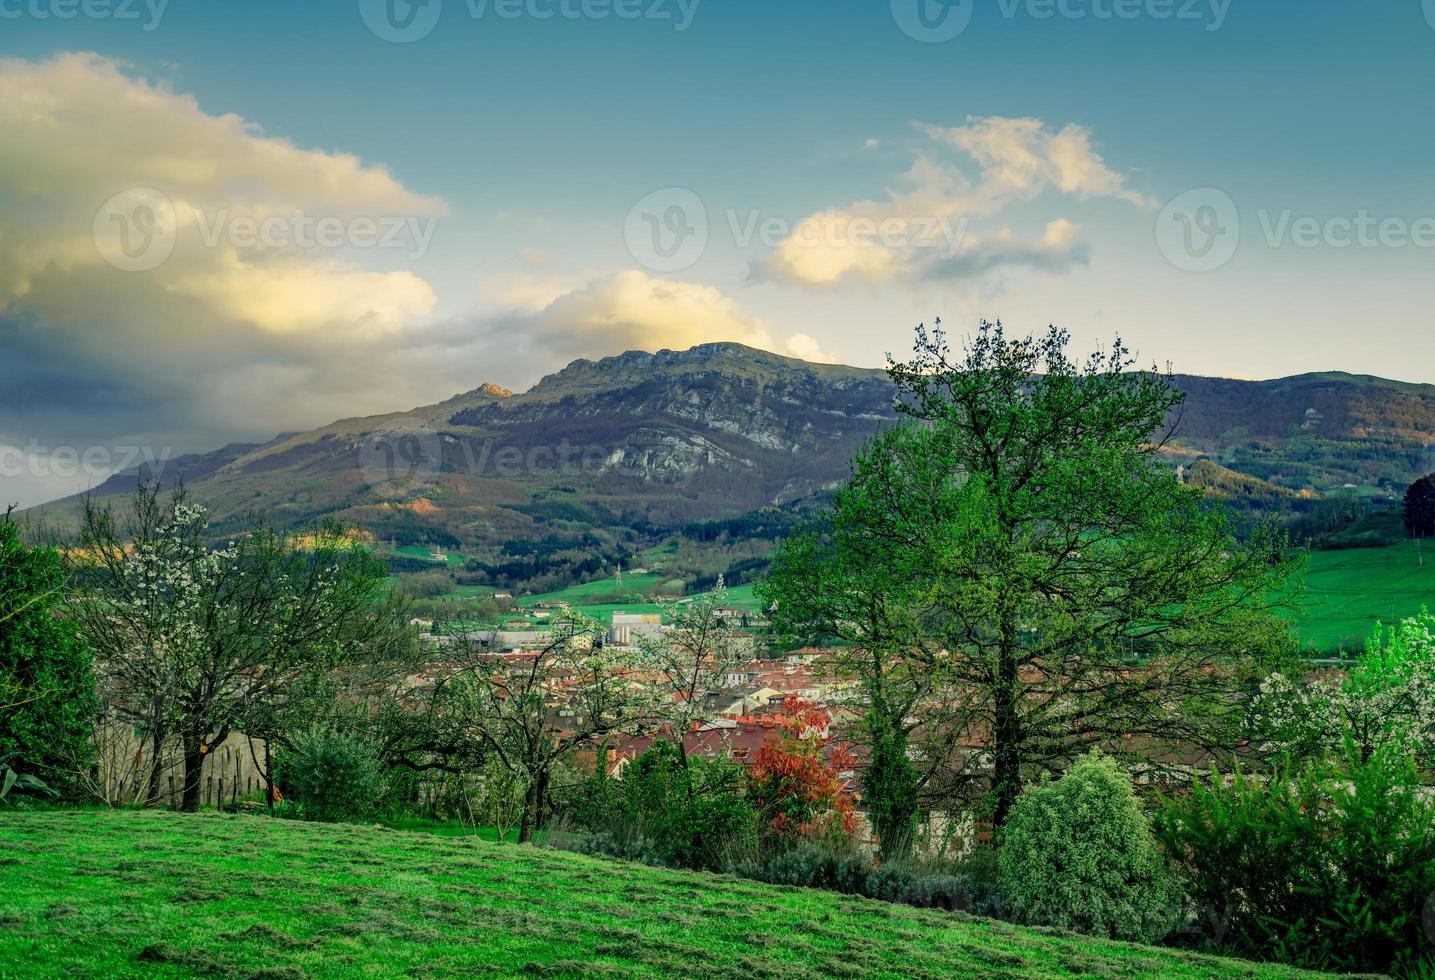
(1079, 854)
(951, 892)
(810, 866)
(333, 775)
(694, 815)
(1325, 864)
(13, 780)
(48, 697)
(888, 883)
(625, 848)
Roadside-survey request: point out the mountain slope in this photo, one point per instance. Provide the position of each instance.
(606, 459)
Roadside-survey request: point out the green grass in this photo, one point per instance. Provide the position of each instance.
(455, 560)
(606, 590)
(111, 894)
(447, 828)
(597, 599)
(1348, 592)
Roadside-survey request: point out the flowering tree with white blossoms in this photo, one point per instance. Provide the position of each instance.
(196, 640)
(1387, 699)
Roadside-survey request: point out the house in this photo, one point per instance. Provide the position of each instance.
(742, 674)
(741, 701)
(508, 640)
(739, 739)
(799, 685)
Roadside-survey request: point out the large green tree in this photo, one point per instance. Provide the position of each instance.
(47, 686)
(1016, 576)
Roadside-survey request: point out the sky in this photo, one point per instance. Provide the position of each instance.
(224, 220)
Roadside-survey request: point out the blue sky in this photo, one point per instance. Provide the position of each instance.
(527, 140)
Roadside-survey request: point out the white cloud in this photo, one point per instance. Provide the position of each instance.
(80, 129)
(68, 107)
(631, 310)
(929, 229)
(1020, 158)
(223, 338)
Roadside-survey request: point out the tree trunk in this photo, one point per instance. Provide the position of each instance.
(269, 793)
(1006, 735)
(539, 815)
(889, 787)
(266, 772)
(525, 826)
(193, 774)
(156, 764)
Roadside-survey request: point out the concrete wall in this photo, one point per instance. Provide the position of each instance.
(122, 771)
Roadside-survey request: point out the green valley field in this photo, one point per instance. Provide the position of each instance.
(1349, 591)
(595, 600)
(86, 893)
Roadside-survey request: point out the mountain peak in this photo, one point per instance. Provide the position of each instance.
(497, 391)
(728, 358)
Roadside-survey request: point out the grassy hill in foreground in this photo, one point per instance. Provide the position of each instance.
(119, 893)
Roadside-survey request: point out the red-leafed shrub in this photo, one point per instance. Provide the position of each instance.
(796, 782)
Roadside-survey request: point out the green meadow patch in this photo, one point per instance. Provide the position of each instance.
(91, 893)
(1348, 592)
(601, 599)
